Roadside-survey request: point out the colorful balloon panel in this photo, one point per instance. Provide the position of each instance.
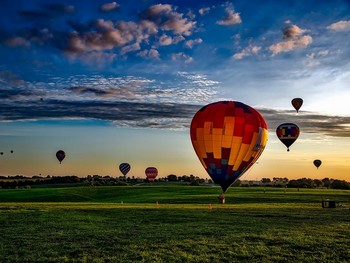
(151, 173)
(297, 103)
(124, 168)
(317, 163)
(60, 155)
(228, 137)
(287, 133)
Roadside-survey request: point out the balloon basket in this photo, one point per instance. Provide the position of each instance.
(221, 199)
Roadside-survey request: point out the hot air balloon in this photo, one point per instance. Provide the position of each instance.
(297, 102)
(317, 163)
(124, 168)
(151, 173)
(11, 151)
(228, 137)
(287, 133)
(60, 155)
(1, 153)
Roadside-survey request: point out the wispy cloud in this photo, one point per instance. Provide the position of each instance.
(109, 6)
(231, 17)
(294, 39)
(343, 25)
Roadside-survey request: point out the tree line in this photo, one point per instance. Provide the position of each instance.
(20, 181)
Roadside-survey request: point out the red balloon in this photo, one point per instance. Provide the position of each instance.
(228, 137)
(151, 173)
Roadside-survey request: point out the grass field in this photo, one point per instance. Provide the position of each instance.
(124, 224)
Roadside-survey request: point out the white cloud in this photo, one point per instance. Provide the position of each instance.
(190, 43)
(149, 54)
(248, 51)
(109, 6)
(204, 10)
(292, 31)
(182, 56)
(231, 18)
(289, 45)
(343, 25)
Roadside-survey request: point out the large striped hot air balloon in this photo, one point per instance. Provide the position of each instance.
(228, 137)
(124, 168)
(151, 173)
(60, 155)
(288, 133)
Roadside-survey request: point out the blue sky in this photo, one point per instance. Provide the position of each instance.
(121, 81)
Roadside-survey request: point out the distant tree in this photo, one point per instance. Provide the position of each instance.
(338, 184)
(172, 178)
(266, 180)
(326, 182)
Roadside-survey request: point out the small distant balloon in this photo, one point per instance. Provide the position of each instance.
(1, 153)
(60, 155)
(151, 173)
(11, 151)
(317, 163)
(288, 133)
(124, 168)
(297, 103)
(41, 99)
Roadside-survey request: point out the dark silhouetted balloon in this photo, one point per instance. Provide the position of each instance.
(151, 173)
(297, 103)
(317, 163)
(287, 133)
(60, 155)
(228, 138)
(1, 153)
(124, 168)
(11, 151)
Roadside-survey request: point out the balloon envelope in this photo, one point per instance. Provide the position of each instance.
(124, 168)
(297, 102)
(151, 173)
(60, 155)
(287, 133)
(228, 137)
(317, 163)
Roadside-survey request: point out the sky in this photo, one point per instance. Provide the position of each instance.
(112, 82)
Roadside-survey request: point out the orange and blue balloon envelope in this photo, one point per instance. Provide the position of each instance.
(317, 163)
(228, 137)
(288, 133)
(60, 155)
(124, 168)
(297, 103)
(151, 173)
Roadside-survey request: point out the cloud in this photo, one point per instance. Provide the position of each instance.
(308, 122)
(289, 45)
(165, 40)
(182, 56)
(343, 25)
(248, 51)
(149, 54)
(109, 6)
(231, 18)
(292, 31)
(107, 35)
(17, 42)
(166, 17)
(204, 11)
(294, 38)
(190, 43)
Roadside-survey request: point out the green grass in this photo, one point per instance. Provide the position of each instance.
(124, 224)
